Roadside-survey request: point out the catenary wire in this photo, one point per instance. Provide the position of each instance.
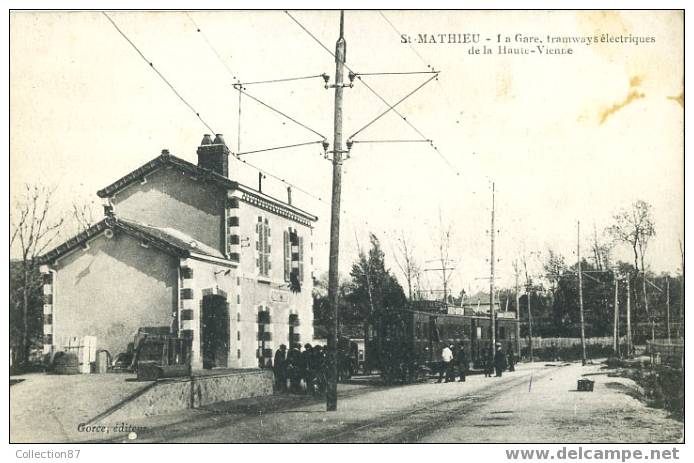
(280, 147)
(238, 83)
(263, 171)
(395, 73)
(214, 50)
(408, 43)
(393, 106)
(287, 79)
(151, 65)
(391, 141)
(419, 132)
(238, 87)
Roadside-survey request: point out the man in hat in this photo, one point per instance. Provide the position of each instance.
(307, 370)
(511, 358)
(318, 367)
(294, 368)
(488, 361)
(279, 366)
(461, 360)
(499, 360)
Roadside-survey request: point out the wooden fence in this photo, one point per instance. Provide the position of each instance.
(540, 343)
(667, 352)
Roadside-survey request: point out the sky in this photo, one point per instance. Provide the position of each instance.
(563, 138)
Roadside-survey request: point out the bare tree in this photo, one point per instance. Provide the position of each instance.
(405, 260)
(32, 231)
(444, 245)
(601, 251)
(83, 215)
(635, 228)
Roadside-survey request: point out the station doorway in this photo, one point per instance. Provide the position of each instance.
(215, 331)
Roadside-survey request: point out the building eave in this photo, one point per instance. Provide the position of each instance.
(251, 195)
(97, 229)
(263, 201)
(162, 161)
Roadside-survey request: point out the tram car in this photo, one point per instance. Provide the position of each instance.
(404, 344)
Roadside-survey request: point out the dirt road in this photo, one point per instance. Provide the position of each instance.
(537, 403)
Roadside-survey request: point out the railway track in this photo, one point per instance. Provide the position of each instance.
(412, 424)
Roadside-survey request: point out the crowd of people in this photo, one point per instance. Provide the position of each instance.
(304, 370)
(455, 362)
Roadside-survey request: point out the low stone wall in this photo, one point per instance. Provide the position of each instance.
(171, 395)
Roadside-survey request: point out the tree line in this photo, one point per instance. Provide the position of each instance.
(655, 298)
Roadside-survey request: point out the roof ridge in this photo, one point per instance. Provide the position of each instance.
(168, 158)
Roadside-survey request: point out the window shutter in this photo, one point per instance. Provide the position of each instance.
(287, 256)
(301, 258)
(267, 248)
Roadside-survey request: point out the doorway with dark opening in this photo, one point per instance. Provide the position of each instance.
(215, 331)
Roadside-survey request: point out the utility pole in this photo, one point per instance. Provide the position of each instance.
(340, 58)
(580, 295)
(615, 343)
(444, 268)
(667, 306)
(518, 342)
(628, 316)
(491, 281)
(650, 315)
(528, 288)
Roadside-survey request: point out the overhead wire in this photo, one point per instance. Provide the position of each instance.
(395, 73)
(408, 43)
(151, 65)
(279, 147)
(378, 95)
(238, 87)
(209, 44)
(393, 106)
(287, 79)
(421, 58)
(391, 141)
(313, 36)
(263, 171)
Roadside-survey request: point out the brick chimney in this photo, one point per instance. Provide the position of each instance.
(214, 154)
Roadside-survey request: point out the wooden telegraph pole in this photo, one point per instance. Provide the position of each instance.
(650, 315)
(528, 288)
(615, 343)
(628, 316)
(580, 296)
(340, 52)
(667, 307)
(518, 341)
(491, 282)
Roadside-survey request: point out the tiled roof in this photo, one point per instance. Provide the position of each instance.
(174, 238)
(168, 240)
(159, 161)
(166, 159)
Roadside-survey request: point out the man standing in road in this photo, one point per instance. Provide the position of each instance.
(306, 368)
(499, 360)
(447, 364)
(488, 360)
(279, 367)
(461, 360)
(294, 368)
(511, 359)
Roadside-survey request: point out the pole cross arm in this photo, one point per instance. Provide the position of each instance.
(653, 284)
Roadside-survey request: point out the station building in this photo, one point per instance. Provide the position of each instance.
(184, 247)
